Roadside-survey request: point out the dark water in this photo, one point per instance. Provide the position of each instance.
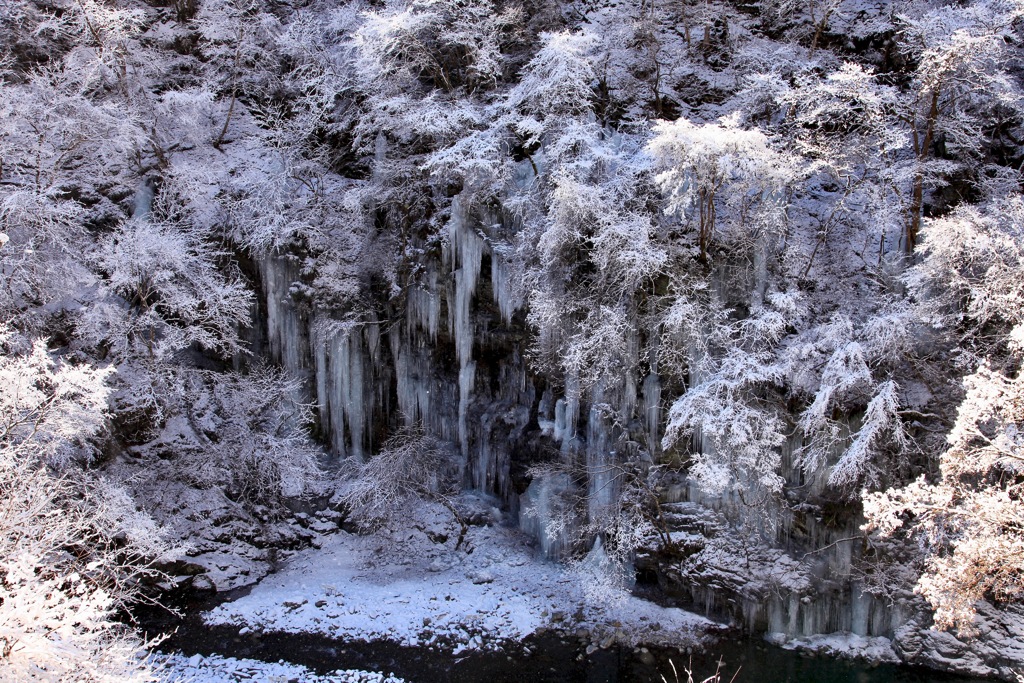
(541, 659)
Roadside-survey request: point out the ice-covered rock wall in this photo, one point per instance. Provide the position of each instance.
(449, 354)
(786, 565)
(445, 355)
(788, 568)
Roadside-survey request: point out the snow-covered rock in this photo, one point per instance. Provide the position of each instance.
(845, 645)
(996, 651)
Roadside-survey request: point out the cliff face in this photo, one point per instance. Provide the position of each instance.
(728, 293)
(452, 355)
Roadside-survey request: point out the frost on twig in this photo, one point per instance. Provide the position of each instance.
(410, 468)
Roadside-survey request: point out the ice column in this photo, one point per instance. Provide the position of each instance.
(467, 250)
(602, 470)
(143, 200)
(346, 354)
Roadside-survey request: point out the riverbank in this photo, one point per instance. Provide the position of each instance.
(409, 604)
(410, 587)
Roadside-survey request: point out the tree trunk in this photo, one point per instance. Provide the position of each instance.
(923, 150)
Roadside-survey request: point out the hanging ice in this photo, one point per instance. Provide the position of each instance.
(143, 201)
(467, 249)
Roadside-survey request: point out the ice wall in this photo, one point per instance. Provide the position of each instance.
(418, 362)
(142, 202)
(449, 354)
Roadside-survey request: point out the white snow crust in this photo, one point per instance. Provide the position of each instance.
(843, 645)
(216, 669)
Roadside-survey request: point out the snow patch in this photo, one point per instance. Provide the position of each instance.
(217, 669)
(843, 645)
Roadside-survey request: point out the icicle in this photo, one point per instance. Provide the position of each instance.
(342, 392)
(524, 173)
(567, 414)
(321, 367)
(467, 376)
(424, 305)
(341, 389)
(467, 254)
(142, 203)
(352, 390)
(602, 472)
(412, 387)
(860, 611)
(626, 384)
(559, 425)
(652, 411)
(503, 289)
(467, 250)
(380, 153)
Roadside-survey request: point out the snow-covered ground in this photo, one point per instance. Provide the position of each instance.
(178, 668)
(402, 587)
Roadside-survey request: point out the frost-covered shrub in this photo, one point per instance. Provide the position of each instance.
(251, 433)
(165, 293)
(411, 467)
(969, 522)
(449, 44)
(49, 409)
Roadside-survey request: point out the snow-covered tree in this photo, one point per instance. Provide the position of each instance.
(731, 408)
(238, 41)
(556, 82)
(856, 373)
(720, 167)
(252, 433)
(809, 18)
(968, 521)
(73, 548)
(962, 78)
(55, 142)
(969, 275)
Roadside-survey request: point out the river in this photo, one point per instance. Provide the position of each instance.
(544, 658)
